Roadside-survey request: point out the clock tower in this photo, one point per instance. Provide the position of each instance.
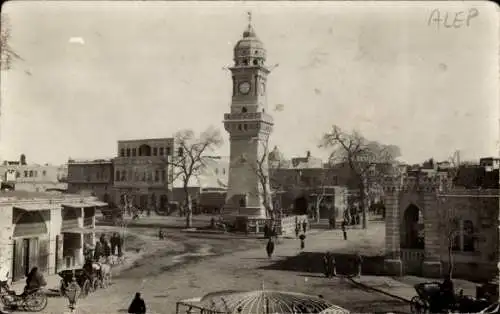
(249, 127)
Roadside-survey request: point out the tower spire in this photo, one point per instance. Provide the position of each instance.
(249, 13)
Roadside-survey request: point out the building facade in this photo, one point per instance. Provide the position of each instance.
(427, 215)
(94, 177)
(143, 173)
(33, 177)
(47, 230)
(249, 127)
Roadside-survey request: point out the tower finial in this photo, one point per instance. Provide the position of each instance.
(249, 13)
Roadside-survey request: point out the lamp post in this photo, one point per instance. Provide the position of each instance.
(72, 293)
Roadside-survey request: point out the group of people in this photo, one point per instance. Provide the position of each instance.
(104, 248)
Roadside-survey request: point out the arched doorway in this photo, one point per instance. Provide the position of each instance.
(144, 150)
(412, 229)
(301, 205)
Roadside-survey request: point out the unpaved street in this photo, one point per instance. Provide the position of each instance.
(208, 263)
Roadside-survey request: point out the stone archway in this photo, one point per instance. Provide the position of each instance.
(412, 228)
(29, 223)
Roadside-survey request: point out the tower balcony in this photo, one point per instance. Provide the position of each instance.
(248, 117)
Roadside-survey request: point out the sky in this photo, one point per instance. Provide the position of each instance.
(94, 73)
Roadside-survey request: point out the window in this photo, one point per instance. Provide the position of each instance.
(18, 174)
(44, 173)
(239, 127)
(464, 240)
(134, 152)
(216, 170)
(223, 170)
(128, 152)
(123, 176)
(245, 127)
(25, 174)
(161, 151)
(163, 175)
(31, 173)
(150, 176)
(130, 176)
(122, 152)
(155, 151)
(157, 175)
(180, 152)
(168, 151)
(255, 62)
(244, 109)
(117, 175)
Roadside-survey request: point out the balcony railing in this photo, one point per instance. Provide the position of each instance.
(69, 224)
(88, 222)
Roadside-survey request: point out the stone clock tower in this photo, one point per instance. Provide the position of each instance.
(249, 127)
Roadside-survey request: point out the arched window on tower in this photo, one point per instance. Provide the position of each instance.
(244, 110)
(255, 62)
(245, 62)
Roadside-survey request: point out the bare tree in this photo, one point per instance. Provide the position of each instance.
(188, 163)
(366, 159)
(449, 226)
(261, 169)
(7, 54)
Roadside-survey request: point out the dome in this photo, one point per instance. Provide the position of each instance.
(249, 50)
(266, 301)
(275, 154)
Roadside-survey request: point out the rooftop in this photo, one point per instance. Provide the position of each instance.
(28, 195)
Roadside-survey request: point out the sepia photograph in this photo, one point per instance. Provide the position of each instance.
(266, 157)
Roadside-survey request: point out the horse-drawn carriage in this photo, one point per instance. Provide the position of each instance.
(430, 299)
(99, 277)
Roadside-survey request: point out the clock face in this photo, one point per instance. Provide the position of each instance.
(262, 88)
(244, 88)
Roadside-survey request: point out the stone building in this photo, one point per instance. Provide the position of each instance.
(47, 230)
(426, 212)
(33, 177)
(143, 173)
(92, 176)
(249, 127)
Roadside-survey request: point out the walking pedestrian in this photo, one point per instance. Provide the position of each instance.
(270, 248)
(304, 225)
(344, 231)
(297, 229)
(138, 306)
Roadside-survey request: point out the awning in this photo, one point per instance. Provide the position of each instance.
(78, 230)
(85, 204)
(37, 206)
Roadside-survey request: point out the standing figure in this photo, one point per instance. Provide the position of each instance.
(270, 248)
(326, 264)
(304, 225)
(359, 262)
(302, 241)
(297, 229)
(344, 231)
(138, 306)
(333, 268)
(98, 251)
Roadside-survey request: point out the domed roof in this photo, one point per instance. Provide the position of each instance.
(275, 154)
(249, 40)
(266, 301)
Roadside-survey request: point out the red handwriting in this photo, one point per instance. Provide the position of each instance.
(452, 19)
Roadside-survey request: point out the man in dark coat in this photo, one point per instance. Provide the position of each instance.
(297, 229)
(326, 264)
(138, 306)
(270, 248)
(304, 225)
(344, 231)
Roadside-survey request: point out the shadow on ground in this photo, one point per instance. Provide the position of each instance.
(312, 262)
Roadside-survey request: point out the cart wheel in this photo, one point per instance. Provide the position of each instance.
(62, 289)
(85, 289)
(95, 284)
(36, 302)
(418, 305)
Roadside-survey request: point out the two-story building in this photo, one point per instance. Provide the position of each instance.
(47, 230)
(33, 177)
(94, 177)
(143, 173)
